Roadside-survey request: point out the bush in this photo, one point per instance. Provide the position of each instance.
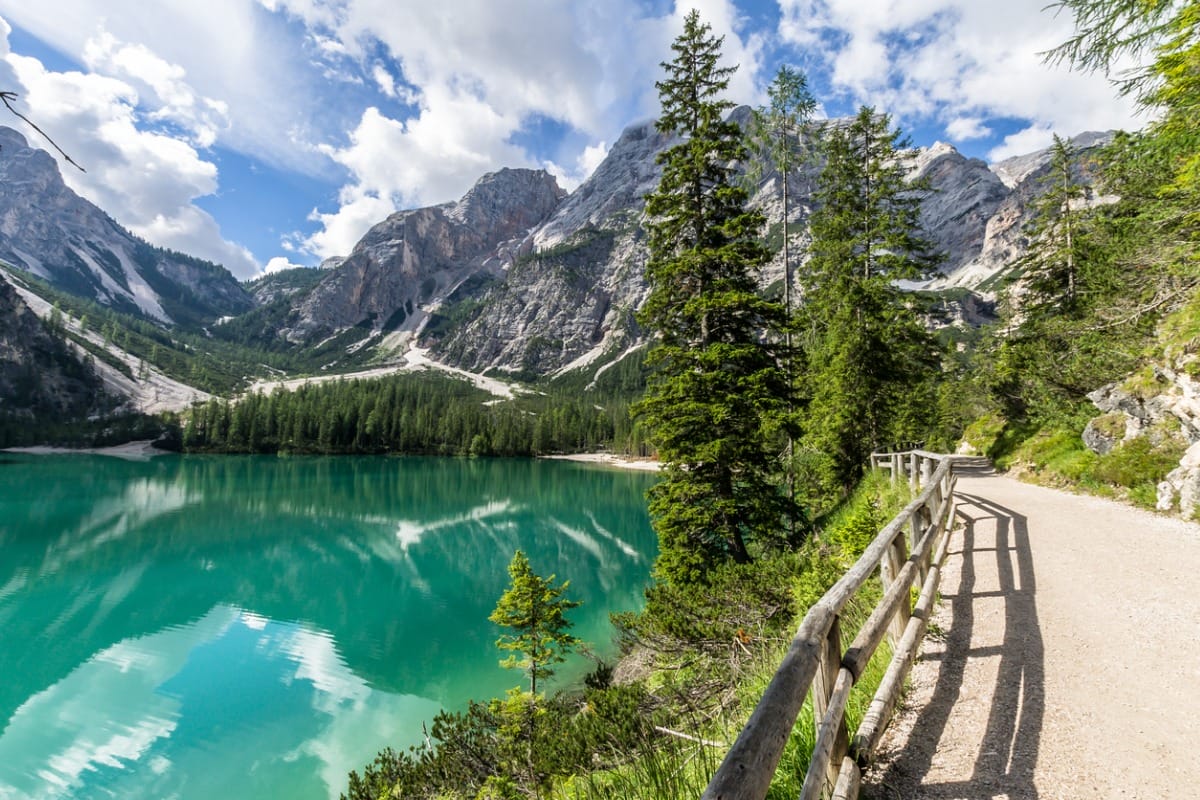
(1138, 462)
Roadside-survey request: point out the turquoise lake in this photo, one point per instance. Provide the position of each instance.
(250, 627)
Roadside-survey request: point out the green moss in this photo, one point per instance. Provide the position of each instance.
(1110, 425)
(1139, 462)
(1179, 333)
(1144, 384)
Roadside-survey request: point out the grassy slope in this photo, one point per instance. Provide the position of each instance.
(682, 768)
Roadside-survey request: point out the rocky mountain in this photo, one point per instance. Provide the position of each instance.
(517, 276)
(40, 376)
(414, 258)
(1022, 181)
(50, 231)
(565, 295)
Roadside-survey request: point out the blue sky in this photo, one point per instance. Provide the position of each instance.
(261, 133)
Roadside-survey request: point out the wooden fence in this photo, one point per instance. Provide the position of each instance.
(911, 546)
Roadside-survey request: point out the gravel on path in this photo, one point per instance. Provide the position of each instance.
(1063, 660)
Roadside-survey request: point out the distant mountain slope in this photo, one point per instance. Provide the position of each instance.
(517, 276)
(47, 229)
(416, 257)
(40, 376)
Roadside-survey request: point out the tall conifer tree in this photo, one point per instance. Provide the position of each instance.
(716, 380)
(865, 346)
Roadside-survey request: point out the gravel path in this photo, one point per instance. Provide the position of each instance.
(1065, 661)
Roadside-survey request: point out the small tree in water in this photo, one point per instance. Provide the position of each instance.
(534, 609)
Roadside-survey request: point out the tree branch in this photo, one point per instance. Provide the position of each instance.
(6, 98)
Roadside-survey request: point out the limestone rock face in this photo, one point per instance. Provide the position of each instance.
(577, 279)
(1168, 407)
(517, 276)
(416, 258)
(48, 230)
(1005, 206)
(965, 196)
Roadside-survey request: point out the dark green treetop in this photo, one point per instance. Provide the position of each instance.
(716, 380)
(863, 342)
(1056, 247)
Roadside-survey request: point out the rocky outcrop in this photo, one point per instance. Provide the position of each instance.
(48, 230)
(964, 196)
(571, 292)
(1161, 404)
(1006, 205)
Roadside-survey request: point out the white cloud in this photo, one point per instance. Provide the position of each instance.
(174, 100)
(1028, 140)
(483, 73)
(965, 128)
(387, 84)
(233, 51)
(146, 180)
(585, 165)
(275, 78)
(962, 62)
(279, 264)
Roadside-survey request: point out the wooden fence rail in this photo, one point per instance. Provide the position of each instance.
(910, 547)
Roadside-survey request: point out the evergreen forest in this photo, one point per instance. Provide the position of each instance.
(764, 409)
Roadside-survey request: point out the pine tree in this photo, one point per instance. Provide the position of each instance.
(535, 609)
(777, 131)
(778, 139)
(1056, 249)
(865, 346)
(715, 380)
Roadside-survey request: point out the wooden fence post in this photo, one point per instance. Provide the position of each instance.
(822, 690)
(889, 567)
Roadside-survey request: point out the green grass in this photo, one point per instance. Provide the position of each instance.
(675, 767)
(1056, 456)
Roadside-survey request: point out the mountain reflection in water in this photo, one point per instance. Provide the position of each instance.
(249, 627)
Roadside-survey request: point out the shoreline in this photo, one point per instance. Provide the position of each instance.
(609, 460)
(131, 451)
(145, 450)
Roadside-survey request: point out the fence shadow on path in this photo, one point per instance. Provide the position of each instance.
(996, 577)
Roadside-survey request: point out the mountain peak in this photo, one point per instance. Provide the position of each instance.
(508, 201)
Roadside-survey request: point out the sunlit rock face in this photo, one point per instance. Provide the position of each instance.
(519, 276)
(414, 259)
(48, 230)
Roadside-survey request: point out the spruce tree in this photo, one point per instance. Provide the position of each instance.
(778, 139)
(865, 346)
(715, 379)
(535, 610)
(1052, 263)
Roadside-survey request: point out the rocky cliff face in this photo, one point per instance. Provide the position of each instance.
(570, 294)
(1163, 406)
(516, 275)
(48, 230)
(414, 259)
(39, 375)
(1005, 208)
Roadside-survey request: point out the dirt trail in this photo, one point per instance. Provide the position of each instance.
(1068, 660)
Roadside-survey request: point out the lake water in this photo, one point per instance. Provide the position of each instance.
(211, 627)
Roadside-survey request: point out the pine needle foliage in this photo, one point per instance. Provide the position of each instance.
(716, 381)
(865, 347)
(534, 609)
